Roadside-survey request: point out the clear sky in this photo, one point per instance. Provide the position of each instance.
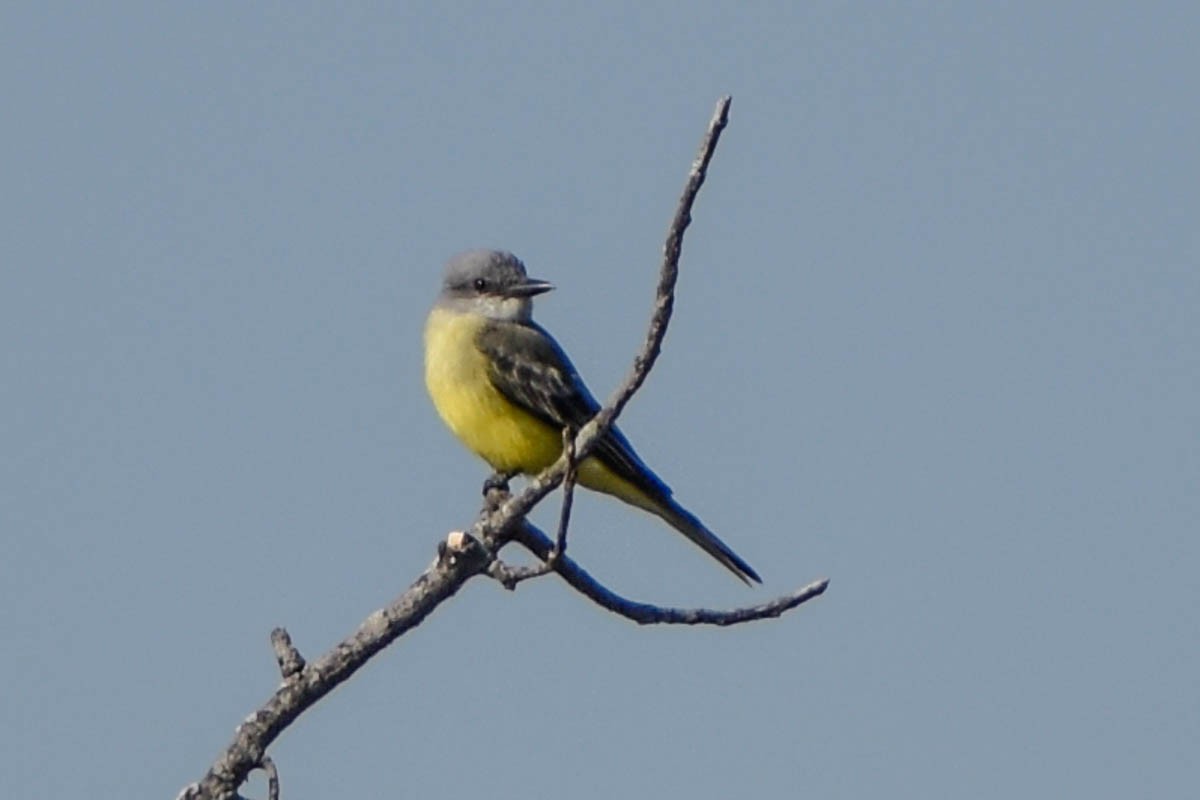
(938, 339)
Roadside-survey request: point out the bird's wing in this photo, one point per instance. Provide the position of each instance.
(528, 367)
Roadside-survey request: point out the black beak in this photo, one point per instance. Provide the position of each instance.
(529, 287)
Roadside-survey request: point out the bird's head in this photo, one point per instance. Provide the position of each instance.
(492, 283)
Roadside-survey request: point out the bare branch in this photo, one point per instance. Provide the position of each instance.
(564, 514)
(646, 614)
(664, 301)
(460, 558)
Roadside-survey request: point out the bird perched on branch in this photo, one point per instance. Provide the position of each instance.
(505, 388)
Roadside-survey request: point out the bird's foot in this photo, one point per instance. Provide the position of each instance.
(498, 481)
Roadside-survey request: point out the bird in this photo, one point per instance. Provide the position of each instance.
(507, 390)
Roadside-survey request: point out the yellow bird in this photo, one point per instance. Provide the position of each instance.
(505, 388)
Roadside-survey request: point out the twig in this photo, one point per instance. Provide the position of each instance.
(646, 614)
(509, 576)
(286, 655)
(568, 485)
(268, 766)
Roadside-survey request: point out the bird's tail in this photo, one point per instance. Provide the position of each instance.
(651, 494)
(686, 523)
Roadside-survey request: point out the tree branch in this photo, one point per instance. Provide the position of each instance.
(644, 613)
(460, 558)
(464, 555)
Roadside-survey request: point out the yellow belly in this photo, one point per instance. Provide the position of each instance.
(509, 438)
(456, 374)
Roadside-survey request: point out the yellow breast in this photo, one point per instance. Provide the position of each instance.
(456, 375)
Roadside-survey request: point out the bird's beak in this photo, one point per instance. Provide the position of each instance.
(530, 287)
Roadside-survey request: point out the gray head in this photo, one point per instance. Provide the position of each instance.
(492, 283)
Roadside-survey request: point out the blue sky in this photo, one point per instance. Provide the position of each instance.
(937, 339)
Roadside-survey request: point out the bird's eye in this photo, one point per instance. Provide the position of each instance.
(480, 284)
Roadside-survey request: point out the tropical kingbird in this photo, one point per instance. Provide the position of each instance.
(507, 390)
